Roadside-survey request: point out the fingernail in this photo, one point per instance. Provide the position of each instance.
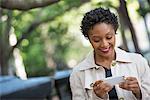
(92, 84)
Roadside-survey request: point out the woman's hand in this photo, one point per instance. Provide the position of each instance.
(101, 88)
(131, 84)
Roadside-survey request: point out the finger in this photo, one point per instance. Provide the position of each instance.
(103, 87)
(97, 85)
(106, 86)
(98, 82)
(129, 87)
(124, 86)
(130, 78)
(101, 91)
(133, 83)
(133, 86)
(121, 85)
(107, 89)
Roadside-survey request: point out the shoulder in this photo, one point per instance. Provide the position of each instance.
(87, 63)
(140, 62)
(129, 56)
(138, 59)
(77, 68)
(135, 57)
(77, 75)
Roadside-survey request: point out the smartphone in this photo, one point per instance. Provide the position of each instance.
(114, 80)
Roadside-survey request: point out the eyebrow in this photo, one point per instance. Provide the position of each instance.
(109, 33)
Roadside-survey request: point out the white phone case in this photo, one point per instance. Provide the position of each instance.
(114, 80)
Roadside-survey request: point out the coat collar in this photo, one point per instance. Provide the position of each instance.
(89, 62)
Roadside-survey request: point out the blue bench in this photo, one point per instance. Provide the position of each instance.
(12, 87)
(62, 84)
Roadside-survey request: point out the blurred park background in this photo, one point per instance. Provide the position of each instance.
(40, 37)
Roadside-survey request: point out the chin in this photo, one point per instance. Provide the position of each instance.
(106, 54)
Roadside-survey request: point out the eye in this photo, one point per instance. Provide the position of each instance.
(96, 39)
(108, 37)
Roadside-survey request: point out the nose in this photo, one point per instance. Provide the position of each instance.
(104, 43)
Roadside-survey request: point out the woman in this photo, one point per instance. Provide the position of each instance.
(87, 79)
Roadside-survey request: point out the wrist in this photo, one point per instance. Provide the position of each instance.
(101, 96)
(138, 95)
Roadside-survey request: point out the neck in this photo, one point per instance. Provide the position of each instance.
(104, 61)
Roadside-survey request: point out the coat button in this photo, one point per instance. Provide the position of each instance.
(121, 98)
(113, 64)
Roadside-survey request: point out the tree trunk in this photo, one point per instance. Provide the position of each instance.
(25, 4)
(148, 2)
(122, 27)
(4, 57)
(141, 3)
(129, 24)
(146, 27)
(0, 41)
(4, 65)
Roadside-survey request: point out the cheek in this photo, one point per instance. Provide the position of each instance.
(94, 45)
(113, 41)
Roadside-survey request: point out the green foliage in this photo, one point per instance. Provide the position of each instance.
(33, 56)
(61, 42)
(35, 71)
(143, 11)
(33, 48)
(144, 8)
(108, 3)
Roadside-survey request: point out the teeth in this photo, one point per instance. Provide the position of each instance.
(105, 49)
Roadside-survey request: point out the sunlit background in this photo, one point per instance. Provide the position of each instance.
(57, 43)
(39, 45)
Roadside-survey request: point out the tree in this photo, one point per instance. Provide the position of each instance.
(25, 32)
(127, 21)
(143, 10)
(24, 4)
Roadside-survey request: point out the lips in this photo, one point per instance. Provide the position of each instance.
(105, 50)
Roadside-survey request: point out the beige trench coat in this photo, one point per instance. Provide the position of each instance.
(126, 64)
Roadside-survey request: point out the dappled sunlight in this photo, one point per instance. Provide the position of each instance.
(72, 63)
(20, 69)
(4, 18)
(141, 35)
(12, 38)
(148, 21)
(18, 61)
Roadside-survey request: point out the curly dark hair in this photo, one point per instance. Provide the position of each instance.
(98, 15)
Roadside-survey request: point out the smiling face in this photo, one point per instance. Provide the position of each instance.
(102, 38)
